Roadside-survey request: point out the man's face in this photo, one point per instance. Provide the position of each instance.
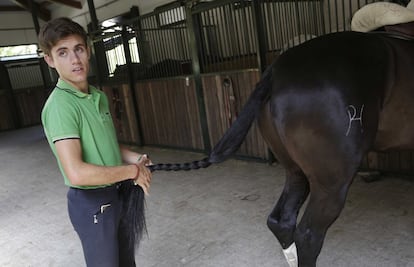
(70, 57)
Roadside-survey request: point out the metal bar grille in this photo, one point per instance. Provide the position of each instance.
(228, 37)
(26, 75)
(160, 48)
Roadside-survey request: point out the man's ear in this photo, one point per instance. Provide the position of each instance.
(49, 61)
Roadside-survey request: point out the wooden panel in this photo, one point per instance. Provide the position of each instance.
(29, 103)
(169, 113)
(123, 113)
(406, 161)
(392, 161)
(6, 118)
(217, 117)
(225, 96)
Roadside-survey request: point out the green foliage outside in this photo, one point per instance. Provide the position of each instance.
(19, 50)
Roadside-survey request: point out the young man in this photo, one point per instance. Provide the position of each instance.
(81, 134)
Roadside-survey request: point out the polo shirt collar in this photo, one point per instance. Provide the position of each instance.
(61, 84)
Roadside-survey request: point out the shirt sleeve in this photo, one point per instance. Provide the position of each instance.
(61, 120)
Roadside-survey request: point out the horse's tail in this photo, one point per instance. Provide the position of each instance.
(133, 213)
(235, 135)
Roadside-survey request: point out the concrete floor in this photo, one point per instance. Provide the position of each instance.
(211, 217)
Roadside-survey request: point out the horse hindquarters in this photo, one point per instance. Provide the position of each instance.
(323, 117)
(311, 141)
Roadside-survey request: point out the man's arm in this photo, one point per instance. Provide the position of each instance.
(128, 156)
(81, 173)
(131, 157)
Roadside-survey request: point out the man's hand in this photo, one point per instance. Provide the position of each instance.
(145, 160)
(144, 175)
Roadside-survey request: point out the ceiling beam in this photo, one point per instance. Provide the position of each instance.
(11, 8)
(69, 3)
(42, 12)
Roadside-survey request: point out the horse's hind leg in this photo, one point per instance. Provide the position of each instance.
(324, 206)
(282, 220)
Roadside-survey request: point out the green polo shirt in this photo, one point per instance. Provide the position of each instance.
(70, 113)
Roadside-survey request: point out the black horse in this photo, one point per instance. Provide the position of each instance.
(321, 106)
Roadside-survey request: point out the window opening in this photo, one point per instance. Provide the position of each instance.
(18, 52)
(114, 49)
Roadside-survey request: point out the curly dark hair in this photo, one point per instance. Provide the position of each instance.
(55, 30)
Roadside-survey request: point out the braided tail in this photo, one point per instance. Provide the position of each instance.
(235, 135)
(204, 163)
(134, 203)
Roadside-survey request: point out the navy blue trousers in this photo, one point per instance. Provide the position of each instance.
(95, 215)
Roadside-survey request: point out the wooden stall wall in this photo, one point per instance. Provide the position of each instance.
(7, 121)
(401, 162)
(225, 95)
(123, 113)
(29, 103)
(22, 93)
(169, 113)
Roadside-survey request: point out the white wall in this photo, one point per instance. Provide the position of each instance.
(17, 27)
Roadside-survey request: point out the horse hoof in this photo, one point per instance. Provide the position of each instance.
(291, 255)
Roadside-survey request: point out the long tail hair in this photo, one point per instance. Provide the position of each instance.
(134, 202)
(133, 213)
